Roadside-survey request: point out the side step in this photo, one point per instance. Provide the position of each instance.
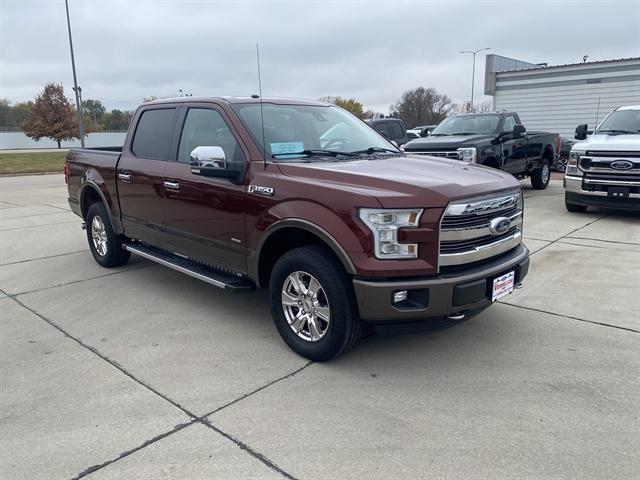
(219, 278)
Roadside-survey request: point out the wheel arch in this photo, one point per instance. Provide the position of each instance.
(91, 193)
(288, 234)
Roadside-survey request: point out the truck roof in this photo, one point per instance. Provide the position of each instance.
(234, 100)
(630, 107)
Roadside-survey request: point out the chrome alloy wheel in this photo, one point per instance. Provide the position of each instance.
(545, 173)
(306, 306)
(99, 235)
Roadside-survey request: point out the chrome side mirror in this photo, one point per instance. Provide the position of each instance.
(207, 158)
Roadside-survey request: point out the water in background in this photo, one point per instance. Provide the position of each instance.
(17, 140)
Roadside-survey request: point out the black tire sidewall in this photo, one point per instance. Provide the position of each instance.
(317, 262)
(537, 181)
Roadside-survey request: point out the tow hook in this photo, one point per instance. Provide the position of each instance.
(519, 286)
(456, 316)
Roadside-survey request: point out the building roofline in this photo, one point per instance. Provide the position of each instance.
(551, 67)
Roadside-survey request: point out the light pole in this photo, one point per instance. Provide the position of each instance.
(473, 75)
(76, 89)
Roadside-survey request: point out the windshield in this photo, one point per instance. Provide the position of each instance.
(468, 125)
(290, 129)
(621, 122)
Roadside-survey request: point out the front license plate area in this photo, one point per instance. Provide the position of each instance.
(503, 285)
(618, 192)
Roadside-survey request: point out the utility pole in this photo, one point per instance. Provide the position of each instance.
(77, 90)
(473, 75)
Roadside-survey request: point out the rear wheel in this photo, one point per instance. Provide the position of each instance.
(313, 304)
(540, 177)
(105, 245)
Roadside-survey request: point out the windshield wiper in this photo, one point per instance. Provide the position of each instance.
(313, 153)
(464, 133)
(623, 132)
(373, 150)
(439, 134)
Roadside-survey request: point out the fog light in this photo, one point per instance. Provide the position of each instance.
(400, 296)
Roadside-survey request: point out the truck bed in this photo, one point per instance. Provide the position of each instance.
(96, 166)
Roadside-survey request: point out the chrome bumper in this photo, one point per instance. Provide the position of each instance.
(574, 185)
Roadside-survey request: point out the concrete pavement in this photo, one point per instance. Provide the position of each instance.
(140, 372)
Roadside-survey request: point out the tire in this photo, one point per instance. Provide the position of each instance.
(540, 176)
(574, 207)
(312, 336)
(105, 245)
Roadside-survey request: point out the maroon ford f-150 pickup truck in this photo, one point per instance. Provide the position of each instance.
(305, 199)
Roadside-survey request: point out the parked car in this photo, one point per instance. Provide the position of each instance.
(392, 129)
(497, 140)
(422, 130)
(562, 156)
(604, 168)
(240, 193)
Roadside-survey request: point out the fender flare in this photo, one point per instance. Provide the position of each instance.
(94, 186)
(310, 227)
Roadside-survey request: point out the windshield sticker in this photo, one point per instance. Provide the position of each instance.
(285, 148)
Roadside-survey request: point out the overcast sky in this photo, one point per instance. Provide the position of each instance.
(369, 50)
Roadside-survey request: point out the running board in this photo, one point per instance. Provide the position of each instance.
(218, 278)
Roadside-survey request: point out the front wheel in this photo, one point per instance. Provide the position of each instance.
(313, 304)
(540, 177)
(574, 207)
(105, 245)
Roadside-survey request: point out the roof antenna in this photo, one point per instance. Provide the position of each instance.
(264, 145)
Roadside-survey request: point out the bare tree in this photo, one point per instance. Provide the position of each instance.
(423, 106)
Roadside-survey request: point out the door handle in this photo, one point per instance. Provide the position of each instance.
(172, 185)
(124, 177)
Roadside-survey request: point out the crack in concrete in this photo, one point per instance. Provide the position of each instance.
(194, 418)
(593, 322)
(551, 242)
(34, 226)
(607, 241)
(129, 269)
(243, 446)
(42, 258)
(295, 372)
(151, 441)
(564, 241)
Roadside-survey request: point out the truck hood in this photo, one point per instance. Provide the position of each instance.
(402, 182)
(613, 143)
(452, 142)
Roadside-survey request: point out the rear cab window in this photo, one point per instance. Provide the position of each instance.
(154, 133)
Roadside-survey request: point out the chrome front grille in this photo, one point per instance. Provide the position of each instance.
(452, 154)
(605, 165)
(480, 228)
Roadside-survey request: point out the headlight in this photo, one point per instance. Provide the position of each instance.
(384, 224)
(467, 154)
(572, 164)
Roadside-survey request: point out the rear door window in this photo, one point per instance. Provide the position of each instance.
(396, 131)
(154, 134)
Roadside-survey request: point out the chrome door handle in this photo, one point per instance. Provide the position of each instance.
(172, 185)
(124, 177)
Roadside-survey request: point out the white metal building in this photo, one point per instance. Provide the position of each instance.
(558, 98)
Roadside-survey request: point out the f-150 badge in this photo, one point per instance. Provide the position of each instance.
(268, 191)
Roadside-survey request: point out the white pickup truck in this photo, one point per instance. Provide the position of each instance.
(604, 168)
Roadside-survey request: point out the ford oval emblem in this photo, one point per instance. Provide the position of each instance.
(499, 225)
(621, 165)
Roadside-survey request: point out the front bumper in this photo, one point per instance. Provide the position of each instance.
(576, 195)
(465, 291)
